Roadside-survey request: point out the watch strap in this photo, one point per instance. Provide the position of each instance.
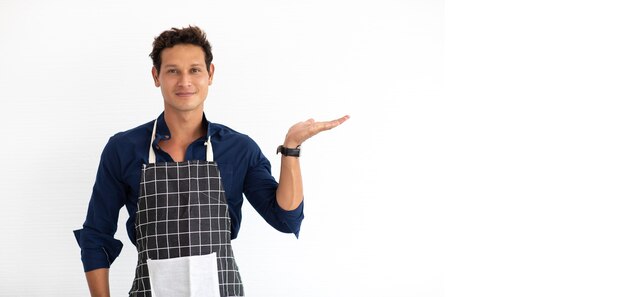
(291, 152)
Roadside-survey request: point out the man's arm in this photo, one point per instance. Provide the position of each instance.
(99, 248)
(98, 280)
(289, 193)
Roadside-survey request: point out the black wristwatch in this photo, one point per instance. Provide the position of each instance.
(291, 152)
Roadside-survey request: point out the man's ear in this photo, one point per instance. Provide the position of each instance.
(211, 71)
(155, 76)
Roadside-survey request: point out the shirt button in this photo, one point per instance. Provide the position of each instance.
(167, 136)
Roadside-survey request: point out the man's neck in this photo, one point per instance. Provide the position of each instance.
(184, 127)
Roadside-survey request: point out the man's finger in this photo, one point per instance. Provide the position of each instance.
(339, 121)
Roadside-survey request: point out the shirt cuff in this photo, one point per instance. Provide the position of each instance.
(292, 219)
(97, 250)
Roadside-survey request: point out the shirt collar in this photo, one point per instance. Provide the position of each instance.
(162, 131)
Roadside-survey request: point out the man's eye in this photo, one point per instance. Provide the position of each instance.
(171, 71)
(195, 70)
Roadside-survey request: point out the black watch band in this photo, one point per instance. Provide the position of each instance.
(291, 152)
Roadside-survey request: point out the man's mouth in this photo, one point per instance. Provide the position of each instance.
(185, 94)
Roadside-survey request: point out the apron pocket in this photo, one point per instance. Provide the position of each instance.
(184, 276)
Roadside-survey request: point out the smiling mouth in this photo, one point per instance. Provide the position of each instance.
(185, 94)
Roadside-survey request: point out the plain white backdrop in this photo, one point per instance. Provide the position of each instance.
(484, 156)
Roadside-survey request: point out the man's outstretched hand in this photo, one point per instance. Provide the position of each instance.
(302, 131)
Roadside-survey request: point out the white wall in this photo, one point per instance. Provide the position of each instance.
(497, 171)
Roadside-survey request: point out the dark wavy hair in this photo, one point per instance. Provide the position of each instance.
(190, 35)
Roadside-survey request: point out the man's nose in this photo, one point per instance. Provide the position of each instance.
(184, 80)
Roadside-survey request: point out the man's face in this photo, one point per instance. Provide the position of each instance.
(183, 77)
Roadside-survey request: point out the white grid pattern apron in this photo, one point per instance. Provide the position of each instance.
(182, 212)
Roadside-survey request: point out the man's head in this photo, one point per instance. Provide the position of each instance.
(182, 68)
(190, 35)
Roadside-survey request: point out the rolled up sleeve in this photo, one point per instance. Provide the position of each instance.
(98, 246)
(97, 250)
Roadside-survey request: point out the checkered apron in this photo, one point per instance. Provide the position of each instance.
(181, 212)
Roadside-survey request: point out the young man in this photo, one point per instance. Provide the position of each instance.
(182, 180)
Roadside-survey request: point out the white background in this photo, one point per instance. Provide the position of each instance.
(484, 156)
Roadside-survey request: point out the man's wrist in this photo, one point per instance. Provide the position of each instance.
(288, 151)
(290, 144)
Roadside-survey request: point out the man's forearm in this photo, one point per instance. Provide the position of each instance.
(289, 194)
(98, 281)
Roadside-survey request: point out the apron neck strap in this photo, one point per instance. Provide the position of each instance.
(152, 155)
(209, 147)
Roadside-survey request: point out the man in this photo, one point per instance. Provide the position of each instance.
(182, 180)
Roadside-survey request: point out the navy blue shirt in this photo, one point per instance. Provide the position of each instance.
(243, 168)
